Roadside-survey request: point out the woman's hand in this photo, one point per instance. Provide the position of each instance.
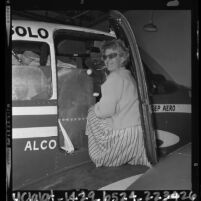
(91, 108)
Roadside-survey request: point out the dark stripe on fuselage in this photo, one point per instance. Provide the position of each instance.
(28, 103)
(25, 121)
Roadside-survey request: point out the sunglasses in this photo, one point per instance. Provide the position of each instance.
(109, 56)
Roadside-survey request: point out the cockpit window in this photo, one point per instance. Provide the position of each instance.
(31, 71)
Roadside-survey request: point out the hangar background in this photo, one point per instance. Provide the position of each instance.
(169, 46)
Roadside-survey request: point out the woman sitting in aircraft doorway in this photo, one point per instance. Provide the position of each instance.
(113, 124)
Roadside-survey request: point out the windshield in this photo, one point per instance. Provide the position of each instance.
(31, 71)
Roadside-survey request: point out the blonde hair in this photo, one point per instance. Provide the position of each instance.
(116, 44)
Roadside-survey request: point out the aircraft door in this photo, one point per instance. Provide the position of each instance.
(122, 29)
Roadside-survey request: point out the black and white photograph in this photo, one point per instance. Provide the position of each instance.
(101, 100)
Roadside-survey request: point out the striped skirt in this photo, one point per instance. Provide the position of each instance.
(108, 147)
